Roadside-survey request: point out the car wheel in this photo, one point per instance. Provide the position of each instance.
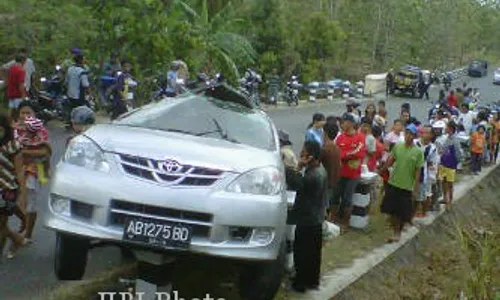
(70, 257)
(262, 280)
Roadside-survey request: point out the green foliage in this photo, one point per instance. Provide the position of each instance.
(316, 39)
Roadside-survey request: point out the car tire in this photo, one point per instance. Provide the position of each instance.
(70, 257)
(261, 281)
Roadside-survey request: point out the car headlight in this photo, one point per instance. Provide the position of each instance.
(83, 152)
(262, 181)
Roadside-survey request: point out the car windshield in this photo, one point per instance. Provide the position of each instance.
(497, 71)
(408, 75)
(475, 64)
(205, 117)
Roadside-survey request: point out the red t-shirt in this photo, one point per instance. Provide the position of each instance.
(452, 101)
(14, 80)
(352, 153)
(379, 152)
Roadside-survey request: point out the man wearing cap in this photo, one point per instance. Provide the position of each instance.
(68, 62)
(451, 155)
(352, 153)
(77, 85)
(407, 160)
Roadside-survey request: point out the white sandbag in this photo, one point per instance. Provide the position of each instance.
(358, 222)
(360, 200)
(374, 84)
(330, 230)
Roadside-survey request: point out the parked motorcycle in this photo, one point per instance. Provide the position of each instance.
(347, 90)
(292, 91)
(50, 100)
(313, 91)
(360, 88)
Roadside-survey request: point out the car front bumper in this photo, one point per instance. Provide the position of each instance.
(214, 213)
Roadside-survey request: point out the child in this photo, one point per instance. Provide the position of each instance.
(370, 142)
(34, 136)
(396, 135)
(478, 143)
(386, 174)
(428, 172)
(82, 117)
(450, 158)
(381, 109)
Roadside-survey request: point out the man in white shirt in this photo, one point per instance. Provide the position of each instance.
(466, 118)
(29, 69)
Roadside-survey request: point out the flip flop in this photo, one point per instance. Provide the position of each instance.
(392, 240)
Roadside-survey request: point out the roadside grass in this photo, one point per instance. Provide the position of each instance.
(457, 257)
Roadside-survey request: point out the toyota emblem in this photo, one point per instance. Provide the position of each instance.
(171, 166)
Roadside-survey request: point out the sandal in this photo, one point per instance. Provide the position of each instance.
(393, 240)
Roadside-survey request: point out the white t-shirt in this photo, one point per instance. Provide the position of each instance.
(29, 69)
(466, 120)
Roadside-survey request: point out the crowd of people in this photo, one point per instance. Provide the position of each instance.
(416, 160)
(115, 95)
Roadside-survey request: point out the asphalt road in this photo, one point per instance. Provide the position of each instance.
(30, 275)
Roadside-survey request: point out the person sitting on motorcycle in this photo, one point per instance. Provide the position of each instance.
(172, 80)
(121, 97)
(111, 66)
(252, 81)
(109, 70)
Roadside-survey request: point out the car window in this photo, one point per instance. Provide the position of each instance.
(206, 117)
(408, 75)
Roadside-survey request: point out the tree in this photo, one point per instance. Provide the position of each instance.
(221, 48)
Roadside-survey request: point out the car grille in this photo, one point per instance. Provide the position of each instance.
(120, 211)
(150, 169)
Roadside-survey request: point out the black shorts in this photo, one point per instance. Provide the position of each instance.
(398, 203)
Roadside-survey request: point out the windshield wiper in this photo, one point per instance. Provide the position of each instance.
(178, 131)
(220, 131)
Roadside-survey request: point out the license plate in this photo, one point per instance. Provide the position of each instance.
(157, 233)
(313, 91)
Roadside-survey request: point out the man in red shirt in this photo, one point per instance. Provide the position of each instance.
(452, 99)
(16, 90)
(352, 153)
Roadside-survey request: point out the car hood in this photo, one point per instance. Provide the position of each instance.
(186, 149)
